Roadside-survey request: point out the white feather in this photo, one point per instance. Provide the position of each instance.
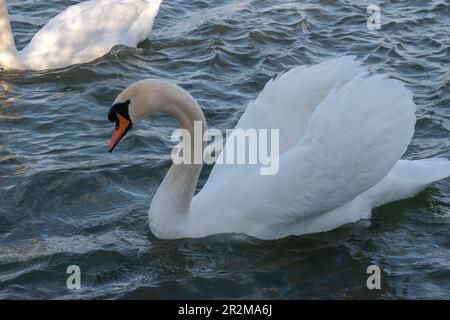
(343, 135)
(87, 31)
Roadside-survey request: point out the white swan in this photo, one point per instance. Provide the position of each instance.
(80, 34)
(342, 133)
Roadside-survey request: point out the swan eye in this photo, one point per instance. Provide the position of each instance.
(117, 124)
(121, 108)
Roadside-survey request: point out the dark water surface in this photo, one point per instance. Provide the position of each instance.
(64, 200)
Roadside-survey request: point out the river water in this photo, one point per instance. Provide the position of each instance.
(65, 201)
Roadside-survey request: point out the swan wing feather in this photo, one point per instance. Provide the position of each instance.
(353, 139)
(288, 101)
(287, 104)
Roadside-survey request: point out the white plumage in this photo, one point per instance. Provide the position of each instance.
(342, 135)
(80, 34)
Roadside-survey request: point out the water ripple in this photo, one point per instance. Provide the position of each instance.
(66, 201)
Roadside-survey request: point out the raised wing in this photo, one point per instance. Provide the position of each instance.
(353, 139)
(287, 103)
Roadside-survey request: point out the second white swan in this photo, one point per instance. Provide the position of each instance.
(82, 33)
(342, 133)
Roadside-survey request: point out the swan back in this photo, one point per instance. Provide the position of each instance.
(89, 30)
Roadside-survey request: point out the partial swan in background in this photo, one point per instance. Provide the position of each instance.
(342, 133)
(82, 33)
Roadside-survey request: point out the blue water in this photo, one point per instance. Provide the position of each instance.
(64, 200)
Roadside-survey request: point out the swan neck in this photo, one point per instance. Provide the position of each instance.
(184, 108)
(8, 51)
(170, 206)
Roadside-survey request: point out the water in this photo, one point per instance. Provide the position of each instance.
(65, 200)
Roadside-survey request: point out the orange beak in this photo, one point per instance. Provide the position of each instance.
(122, 127)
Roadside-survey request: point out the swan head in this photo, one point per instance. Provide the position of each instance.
(131, 106)
(146, 97)
(120, 114)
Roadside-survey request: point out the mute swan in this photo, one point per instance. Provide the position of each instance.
(342, 133)
(80, 34)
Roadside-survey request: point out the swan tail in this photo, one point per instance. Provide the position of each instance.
(407, 178)
(424, 171)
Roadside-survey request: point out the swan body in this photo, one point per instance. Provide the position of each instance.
(82, 33)
(342, 134)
